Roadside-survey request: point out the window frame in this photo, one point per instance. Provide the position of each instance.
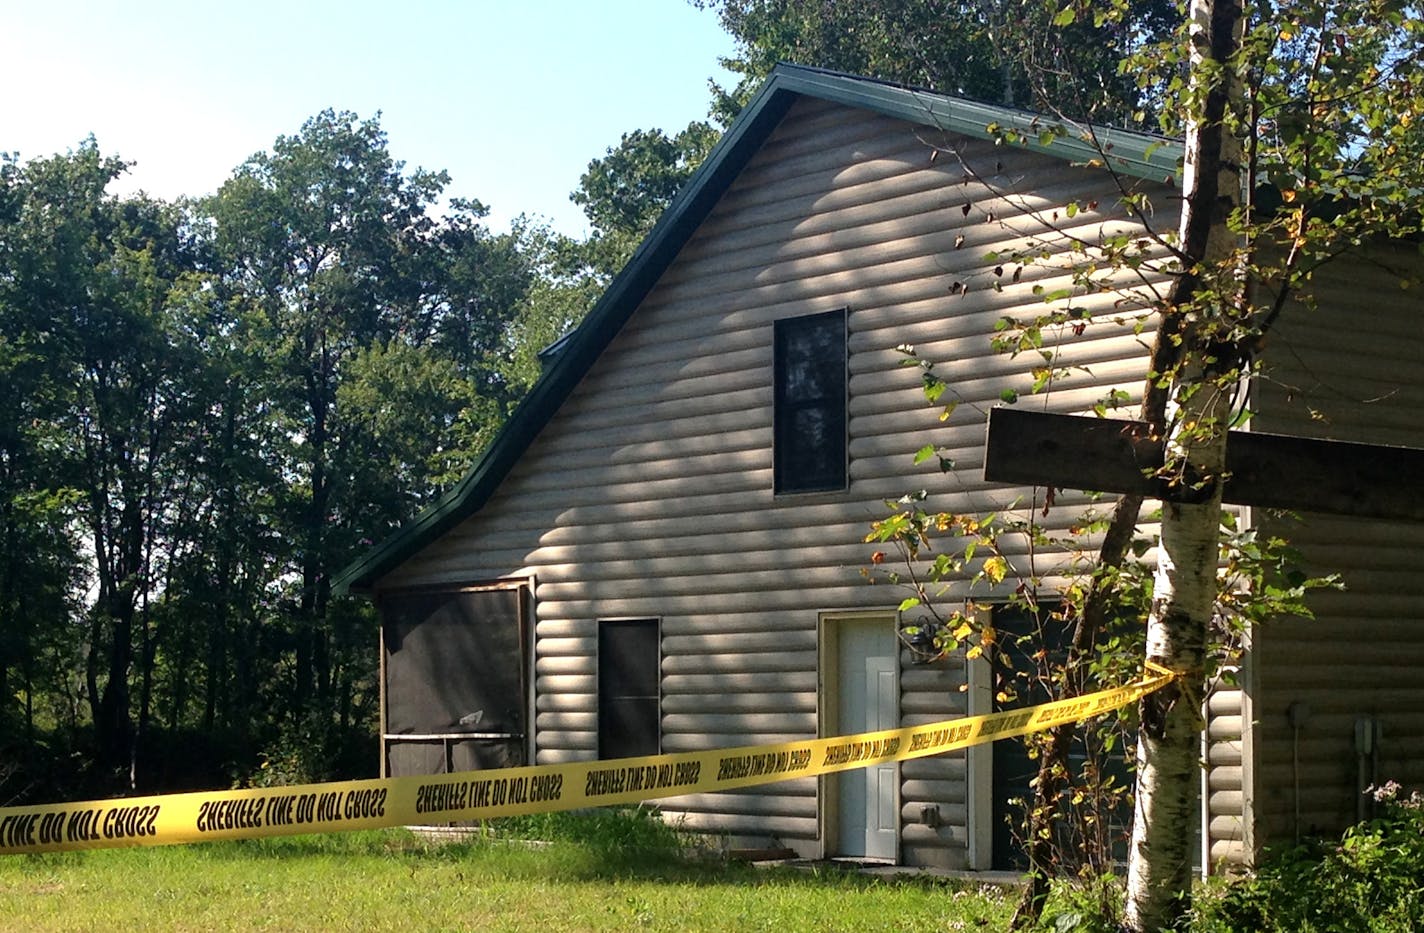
(835, 473)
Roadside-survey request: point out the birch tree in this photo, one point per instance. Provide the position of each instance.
(1208, 289)
(1314, 105)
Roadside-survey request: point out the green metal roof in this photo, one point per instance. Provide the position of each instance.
(1130, 153)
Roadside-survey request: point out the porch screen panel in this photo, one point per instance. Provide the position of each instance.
(454, 680)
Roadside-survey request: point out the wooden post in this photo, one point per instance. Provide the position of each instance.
(1267, 470)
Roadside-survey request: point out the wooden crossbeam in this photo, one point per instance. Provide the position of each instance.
(1268, 470)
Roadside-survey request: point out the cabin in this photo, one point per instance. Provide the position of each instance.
(663, 549)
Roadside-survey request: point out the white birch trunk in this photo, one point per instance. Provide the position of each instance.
(1169, 737)
(1184, 589)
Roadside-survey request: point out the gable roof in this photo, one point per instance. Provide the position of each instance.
(1136, 154)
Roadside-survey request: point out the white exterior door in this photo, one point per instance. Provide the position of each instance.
(867, 699)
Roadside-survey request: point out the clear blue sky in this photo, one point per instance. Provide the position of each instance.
(512, 98)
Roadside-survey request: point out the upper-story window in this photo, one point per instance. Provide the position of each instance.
(810, 403)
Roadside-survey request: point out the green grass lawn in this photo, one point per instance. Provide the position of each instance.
(394, 881)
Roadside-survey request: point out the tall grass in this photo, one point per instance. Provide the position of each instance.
(597, 871)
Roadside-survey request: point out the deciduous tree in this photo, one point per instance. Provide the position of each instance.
(1019, 53)
(379, 326)
(624, 192)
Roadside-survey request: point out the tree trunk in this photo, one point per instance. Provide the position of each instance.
(1168, 744)
(1184, 589)
(312, 669)
(148, 651)
(113, 727)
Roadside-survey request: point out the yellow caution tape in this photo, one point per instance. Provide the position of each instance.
(475, 795)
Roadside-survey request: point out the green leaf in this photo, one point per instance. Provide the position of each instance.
(1065, 17)
(924, 453)
(908, 603)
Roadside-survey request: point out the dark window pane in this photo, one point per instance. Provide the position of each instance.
(629, 688)
(628, 728)
(814, 360)
(810, 403)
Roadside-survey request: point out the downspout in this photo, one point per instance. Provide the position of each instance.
(1367, 736)
(1297, 714)
(1204, 803)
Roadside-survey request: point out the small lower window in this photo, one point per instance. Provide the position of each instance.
(629, 688)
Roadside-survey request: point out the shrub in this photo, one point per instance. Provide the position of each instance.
(1372, 881)
(1087, 904)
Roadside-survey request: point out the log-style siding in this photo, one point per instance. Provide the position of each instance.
(1349, 370)
(1228, 841)
(649, 494)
